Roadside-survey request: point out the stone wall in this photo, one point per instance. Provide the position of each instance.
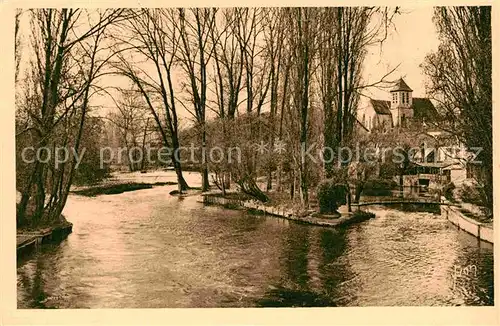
(477, 229)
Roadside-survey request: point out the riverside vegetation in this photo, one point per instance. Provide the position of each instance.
(286, 79)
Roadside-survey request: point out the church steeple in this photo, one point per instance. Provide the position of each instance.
(401, 102)
(401, 94)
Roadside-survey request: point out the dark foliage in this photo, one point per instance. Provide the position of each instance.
(379, 187)
(112, 189)
(88, 174)
(331, 195)
(448, 191)
(472, 194)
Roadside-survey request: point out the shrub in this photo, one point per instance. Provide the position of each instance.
(388, 170)
(471, 194)
(448, 191)
(89, 174)
(379, 187)
(331, 195)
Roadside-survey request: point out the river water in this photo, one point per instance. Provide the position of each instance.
(147, 249)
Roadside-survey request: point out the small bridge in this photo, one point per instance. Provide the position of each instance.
(411, 202)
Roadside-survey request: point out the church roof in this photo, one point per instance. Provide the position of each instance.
(381, 107)
(400, 85)
(424, 109)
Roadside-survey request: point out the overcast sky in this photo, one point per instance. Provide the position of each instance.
(407, 45)
(415, 36)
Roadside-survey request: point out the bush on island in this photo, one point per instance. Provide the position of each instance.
(331, 195)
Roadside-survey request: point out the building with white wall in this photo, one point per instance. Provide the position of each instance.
(400, 111)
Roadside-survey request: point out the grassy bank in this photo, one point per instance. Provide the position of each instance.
(118, 188)
(238, 201)
(44, 224)
(476, 217)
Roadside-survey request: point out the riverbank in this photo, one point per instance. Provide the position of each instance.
(480, 230)
(345, 218)
(29, 240)
(120, 182)
(117, 188)
(146, 249)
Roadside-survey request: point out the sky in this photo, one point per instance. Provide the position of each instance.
(413, 38)
(409, 41)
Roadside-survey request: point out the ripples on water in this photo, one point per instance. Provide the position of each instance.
(146, 249)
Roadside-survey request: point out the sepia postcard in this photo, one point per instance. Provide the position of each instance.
(309, 163)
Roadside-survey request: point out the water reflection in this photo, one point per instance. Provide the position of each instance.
(335, 275)
(36, 285)
(474, 266)
(293, 288)
(149, 250)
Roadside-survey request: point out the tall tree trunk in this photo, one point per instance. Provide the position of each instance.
(182, 185)
(349, 207)
(205, 185)
(144, 144)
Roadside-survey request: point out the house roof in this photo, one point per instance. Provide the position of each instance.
(381, 106)
(424, 109)
(400, 85)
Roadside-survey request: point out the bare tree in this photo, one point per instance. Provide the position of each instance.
(155, 39)
(345, 36)
(68, 58)
(274, 29)
(195, 27)
(229, 62)
(302, 46)
(460, 73)
(248, 30)
(17, 43)
(131, 119)
(228, 65)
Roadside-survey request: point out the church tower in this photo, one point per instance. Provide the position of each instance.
(401, 103)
